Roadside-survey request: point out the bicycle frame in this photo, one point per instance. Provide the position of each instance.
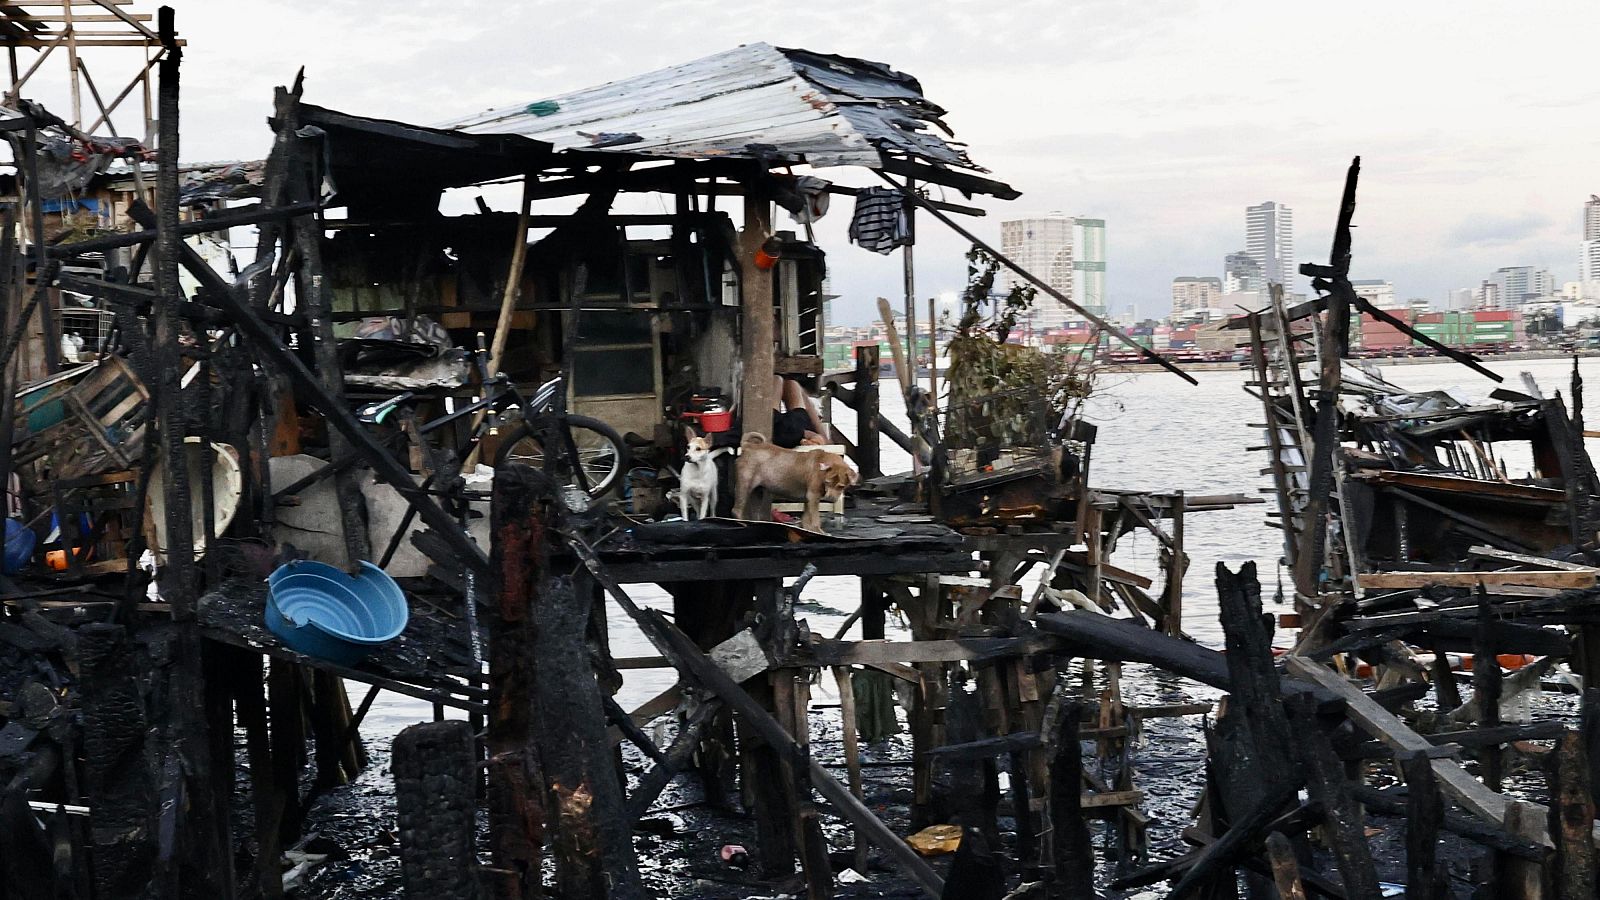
(545, 413)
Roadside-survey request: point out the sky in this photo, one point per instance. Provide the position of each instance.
(1478, 123)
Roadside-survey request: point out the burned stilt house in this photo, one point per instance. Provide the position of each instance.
(420, 447)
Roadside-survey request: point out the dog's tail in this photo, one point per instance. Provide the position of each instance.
(752, 437)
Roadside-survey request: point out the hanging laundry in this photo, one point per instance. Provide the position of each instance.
(880, 223)
(805, 197)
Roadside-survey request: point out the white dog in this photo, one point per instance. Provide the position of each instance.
(697, 483)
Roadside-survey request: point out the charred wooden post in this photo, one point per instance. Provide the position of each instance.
(1285, 867)
(1327, 785)
(975, 873)
(1446, 695)
(866, 409)
(1572, 814)
(593, 844)
(1335, 344)
(1252, 736)
(434, 784)
(285, 698)
(250, 695)
(207, 867)
(1252, 676)
(1425, 879)
(1486, 687)
(1172, 619)
(1589, 729)
(1516, 878)
(517, 557)
(118, 782)
(1074, 855)
(303, 179)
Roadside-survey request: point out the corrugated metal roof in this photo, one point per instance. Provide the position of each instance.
(792, 105)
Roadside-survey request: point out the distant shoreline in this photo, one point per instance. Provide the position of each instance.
(1232, 366)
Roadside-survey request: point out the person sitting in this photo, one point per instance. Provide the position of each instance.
(794, 415)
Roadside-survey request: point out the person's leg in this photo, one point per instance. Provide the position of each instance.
(795, 397)
(780, 393)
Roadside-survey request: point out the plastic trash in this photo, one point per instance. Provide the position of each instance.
(322, 611)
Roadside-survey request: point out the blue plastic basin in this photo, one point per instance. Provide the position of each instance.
(322, 611)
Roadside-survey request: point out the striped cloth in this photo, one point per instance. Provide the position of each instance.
(879, 223)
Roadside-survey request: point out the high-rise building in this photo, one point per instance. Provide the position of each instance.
(1378, 292)
(1069, 253)
(1043, 246)
(1241, 272)
(1516, 285)
(1269, 240)
(1191, 292)
(1589, 250)
(1089, 264)
(1459, 298)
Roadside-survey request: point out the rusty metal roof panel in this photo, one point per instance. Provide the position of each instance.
(750, 101)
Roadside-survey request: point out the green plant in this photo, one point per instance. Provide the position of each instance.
(1004, 394)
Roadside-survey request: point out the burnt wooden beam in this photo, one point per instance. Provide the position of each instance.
(1460, 356)
(239, 217)
(985, 748)
(1472, 526)
(1477, 737)
(677, 757)
(1394, 802)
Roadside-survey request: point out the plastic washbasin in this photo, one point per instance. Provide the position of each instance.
(321, 611)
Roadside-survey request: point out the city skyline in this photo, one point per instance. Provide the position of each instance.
(1163, 137)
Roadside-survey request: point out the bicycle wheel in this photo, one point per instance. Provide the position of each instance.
(601, 452)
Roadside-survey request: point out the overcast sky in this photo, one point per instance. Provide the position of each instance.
(1478, 122)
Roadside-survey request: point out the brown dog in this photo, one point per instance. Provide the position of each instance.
(814, 476)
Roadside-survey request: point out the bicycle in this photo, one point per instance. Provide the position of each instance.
(595, 458)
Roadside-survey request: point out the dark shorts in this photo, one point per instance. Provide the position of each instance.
(789, 428)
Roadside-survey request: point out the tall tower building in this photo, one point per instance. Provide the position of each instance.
(1269, 240)
(1589, 250)
(1089, 264)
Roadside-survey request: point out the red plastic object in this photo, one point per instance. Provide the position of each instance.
(711, 422)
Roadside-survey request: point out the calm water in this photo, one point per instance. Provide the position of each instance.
(1157, 433)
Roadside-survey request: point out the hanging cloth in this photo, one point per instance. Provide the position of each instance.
(880, 223)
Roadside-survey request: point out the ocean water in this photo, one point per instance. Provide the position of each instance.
(1157, 433)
